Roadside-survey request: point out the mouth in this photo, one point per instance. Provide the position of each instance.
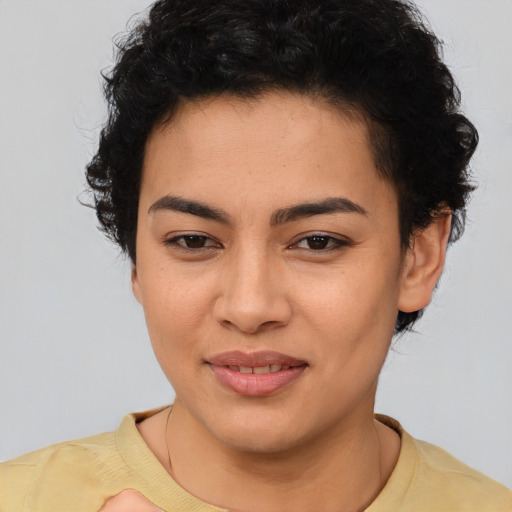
(256, 374)
(258, 370)
(260, 359)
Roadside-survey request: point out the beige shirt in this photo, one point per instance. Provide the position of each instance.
(79, 476)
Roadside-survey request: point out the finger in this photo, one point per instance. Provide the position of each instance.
(129, 500)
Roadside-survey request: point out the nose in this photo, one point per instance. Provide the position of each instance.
(252, 298)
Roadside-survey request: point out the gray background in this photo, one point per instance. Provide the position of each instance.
(74, 353)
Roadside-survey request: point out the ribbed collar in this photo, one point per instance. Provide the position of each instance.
(393, 494)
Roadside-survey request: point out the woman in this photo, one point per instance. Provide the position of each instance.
(285, 178)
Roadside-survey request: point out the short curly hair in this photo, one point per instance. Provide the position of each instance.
(377, 57)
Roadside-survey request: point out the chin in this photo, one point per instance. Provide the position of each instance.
(266, 436)
(261, 443)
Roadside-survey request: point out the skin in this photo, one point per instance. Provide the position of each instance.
(129, 500)
(255, 285)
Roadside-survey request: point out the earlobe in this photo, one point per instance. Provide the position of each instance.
(136, 285)
(423, 264)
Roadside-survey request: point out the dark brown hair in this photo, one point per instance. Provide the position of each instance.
(375, 56)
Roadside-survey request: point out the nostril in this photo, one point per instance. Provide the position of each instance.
(250, 327)
(271, 323)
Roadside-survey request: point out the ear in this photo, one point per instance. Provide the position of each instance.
(136, 285)
(423, 264)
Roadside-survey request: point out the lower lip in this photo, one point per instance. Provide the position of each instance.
(252, 384)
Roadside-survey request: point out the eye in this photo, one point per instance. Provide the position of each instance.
(191, 242)
(320, 242)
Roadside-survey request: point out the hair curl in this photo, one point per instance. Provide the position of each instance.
(375, 56)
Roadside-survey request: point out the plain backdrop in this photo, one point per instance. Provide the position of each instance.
(74, 353)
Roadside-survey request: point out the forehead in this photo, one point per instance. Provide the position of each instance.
(275, 149)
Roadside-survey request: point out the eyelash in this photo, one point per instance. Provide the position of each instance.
(332, 243)
(336, 243)
(175, 242)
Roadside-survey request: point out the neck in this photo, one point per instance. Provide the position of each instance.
(343, 469)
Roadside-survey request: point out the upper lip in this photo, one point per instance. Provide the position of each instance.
(254, 359)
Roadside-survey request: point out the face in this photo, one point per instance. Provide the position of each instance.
(268, 267)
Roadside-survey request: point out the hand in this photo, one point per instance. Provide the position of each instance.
(129, 500)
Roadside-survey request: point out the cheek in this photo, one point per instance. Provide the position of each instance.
(353, 300)
(174, 308)
(172, 316)
(353, 320)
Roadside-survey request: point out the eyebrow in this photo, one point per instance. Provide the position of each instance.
(181, 205)
(326, 206)
(293, 213)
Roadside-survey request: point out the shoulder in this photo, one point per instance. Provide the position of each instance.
(459, 482)
(64, 465)
(80, 475)
(426, 478)
(86, 448)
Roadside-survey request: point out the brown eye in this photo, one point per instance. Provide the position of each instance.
(194, 241)
(318, 243)
(321, 243)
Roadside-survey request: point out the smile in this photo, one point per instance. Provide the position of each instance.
(256, 374)
(259, 370)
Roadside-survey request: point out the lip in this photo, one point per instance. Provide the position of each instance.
(261, 358)
(251, 384)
